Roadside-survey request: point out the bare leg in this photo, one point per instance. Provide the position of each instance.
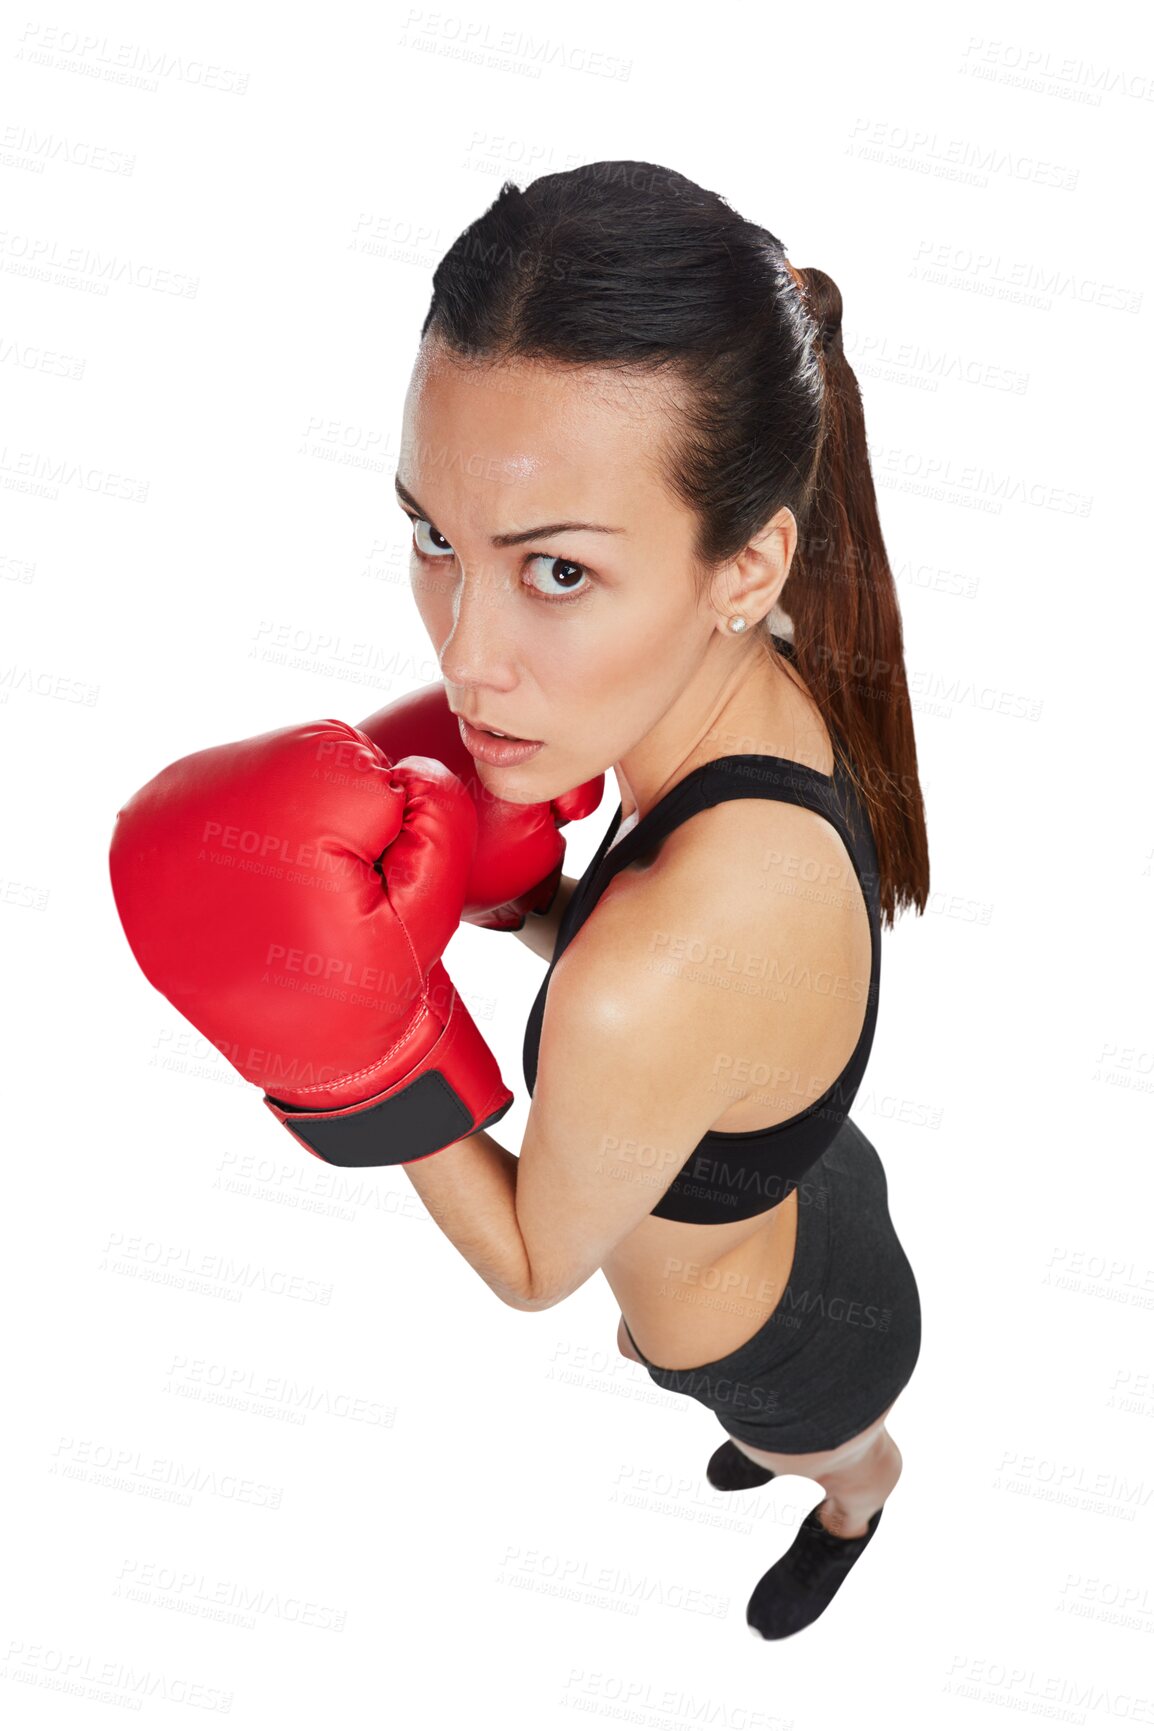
(854, 1493)
(857, 1477)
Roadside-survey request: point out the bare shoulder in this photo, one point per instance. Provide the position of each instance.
(743, 870)
(743, 941)
(780, 867)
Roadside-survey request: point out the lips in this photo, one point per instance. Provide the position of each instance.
(489, 747)
(498, 733)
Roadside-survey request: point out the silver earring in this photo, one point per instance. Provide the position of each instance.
(737, 623)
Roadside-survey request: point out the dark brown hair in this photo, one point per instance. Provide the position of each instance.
(630, 265)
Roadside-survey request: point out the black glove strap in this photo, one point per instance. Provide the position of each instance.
(422, 1119)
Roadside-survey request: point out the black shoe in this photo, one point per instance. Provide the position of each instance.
(730, 1470)
(800, 1585)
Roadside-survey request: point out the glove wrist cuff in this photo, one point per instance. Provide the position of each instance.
(404, 1123)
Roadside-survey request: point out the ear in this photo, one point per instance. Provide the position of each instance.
(751, 583)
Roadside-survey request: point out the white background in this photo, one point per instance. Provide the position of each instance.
(334, 1480)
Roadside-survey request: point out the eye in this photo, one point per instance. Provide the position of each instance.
(564, 576)
(420, 523)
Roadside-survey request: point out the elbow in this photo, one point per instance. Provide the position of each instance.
(535, 1296)
(531, 1301)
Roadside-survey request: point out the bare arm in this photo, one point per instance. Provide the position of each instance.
(539, 933)
(470, 1189)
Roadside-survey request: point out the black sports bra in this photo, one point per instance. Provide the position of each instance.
(735, 1174)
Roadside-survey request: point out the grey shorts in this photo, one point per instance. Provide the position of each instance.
(843, 1339)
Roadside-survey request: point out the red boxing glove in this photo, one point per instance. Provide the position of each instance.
(517, 865)
(291, 896)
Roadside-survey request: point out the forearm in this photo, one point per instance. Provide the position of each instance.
(470, 1189)
(539, 933)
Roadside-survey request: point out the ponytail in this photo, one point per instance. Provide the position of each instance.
(847, 629)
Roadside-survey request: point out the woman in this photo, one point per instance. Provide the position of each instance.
(646, 536)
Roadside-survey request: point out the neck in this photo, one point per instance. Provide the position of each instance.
(744, 701)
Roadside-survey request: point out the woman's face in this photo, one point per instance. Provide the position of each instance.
(580, 637)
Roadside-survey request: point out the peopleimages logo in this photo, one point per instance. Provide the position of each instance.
(722, 1390)
(849, 1310)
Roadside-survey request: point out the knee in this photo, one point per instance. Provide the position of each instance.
(878, 1460)
(859, 1453)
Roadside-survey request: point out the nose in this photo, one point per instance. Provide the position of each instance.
(476, 651)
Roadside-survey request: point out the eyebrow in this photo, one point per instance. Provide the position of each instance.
(521, 535)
